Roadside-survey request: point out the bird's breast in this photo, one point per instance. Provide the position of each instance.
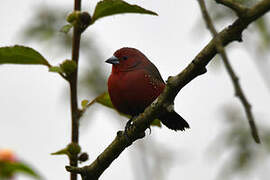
(131, 92)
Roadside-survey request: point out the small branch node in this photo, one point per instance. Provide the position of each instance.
(74, 169)
(170, 80)
(119, 133)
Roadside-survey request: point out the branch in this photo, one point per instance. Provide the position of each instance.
(235, 80)
(174, 85)
(239, 9)
(75, 112)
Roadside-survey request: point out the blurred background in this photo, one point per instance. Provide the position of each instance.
(35, 113)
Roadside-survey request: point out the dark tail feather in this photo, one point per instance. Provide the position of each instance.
(174, 121)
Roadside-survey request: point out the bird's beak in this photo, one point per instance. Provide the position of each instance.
(113, 60)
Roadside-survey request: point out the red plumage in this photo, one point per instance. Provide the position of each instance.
(135, 83)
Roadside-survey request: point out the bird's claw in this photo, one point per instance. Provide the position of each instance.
(128, 125)
(149, 130)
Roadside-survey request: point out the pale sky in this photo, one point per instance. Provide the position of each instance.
(35, 121)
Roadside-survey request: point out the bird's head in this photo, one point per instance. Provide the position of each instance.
(127, 59)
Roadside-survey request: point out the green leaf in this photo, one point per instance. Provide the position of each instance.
(8, 169)
(56, 69)
(21, 167)
(105, 100)
(112, 7)
(66, 28)
(21, 55)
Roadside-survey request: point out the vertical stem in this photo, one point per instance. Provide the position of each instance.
(235, 80)
(73, 89)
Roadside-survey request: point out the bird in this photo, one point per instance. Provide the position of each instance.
(134, 83)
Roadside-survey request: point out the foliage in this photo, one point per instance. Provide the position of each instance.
(21, 55)
(26, 55)
(66, 67)
(9, 169)
(105, 100)
(10, 166)
(48, 29)
(111, 7)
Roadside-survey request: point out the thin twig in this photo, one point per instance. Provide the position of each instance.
(235, 80)
(75, 113)
(238, 8)
(166, 98)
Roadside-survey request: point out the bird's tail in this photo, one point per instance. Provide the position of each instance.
(174, 121)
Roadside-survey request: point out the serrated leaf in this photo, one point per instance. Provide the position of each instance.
(112, 7)
(66, 28)
(56, 69)
(21, 55)
(84, 103)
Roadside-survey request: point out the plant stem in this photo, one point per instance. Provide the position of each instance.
(75, 114)
(235, 80)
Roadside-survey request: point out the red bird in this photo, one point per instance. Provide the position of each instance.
(135, 83)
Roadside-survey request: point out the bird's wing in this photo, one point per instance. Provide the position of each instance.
(152, 69)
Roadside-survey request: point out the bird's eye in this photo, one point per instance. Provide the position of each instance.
(125, 58)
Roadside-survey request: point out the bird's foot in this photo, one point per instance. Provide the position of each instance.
(129, 124)
(123, 133)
